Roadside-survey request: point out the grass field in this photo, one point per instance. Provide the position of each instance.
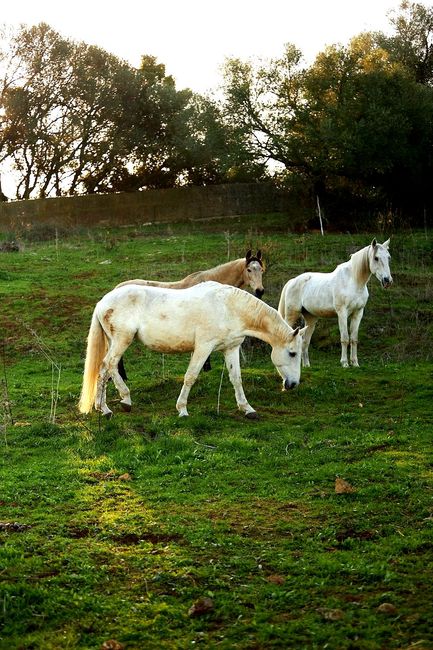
(149, 531)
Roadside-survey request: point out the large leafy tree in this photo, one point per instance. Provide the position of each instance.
(357, 123)
(262, 105)
(412, 41)
(61, 112)
(76, 119)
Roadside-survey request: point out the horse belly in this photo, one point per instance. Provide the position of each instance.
(318, 301)
(166, 334)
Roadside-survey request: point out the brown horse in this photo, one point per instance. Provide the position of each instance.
(244, 272)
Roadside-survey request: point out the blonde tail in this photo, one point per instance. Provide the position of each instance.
(96, 349)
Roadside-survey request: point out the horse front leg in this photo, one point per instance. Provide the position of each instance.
(196, 363)
(311, 321)
(344, 336)
(354, 327)
(234, 369)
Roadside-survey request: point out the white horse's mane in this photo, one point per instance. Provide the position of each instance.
(261, 316)
(360, 264)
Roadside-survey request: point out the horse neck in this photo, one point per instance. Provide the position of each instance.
(228, 273)
(264, 322)
(361, 266)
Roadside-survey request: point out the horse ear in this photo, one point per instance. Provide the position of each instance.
(259, 254)
(374, 243)
(299, 332)
(386, 243)
(303, 330)
(248, 255)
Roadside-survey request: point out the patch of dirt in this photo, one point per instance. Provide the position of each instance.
(132, 539)
(351, 533)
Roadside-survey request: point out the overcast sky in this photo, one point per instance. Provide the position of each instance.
(193, 37)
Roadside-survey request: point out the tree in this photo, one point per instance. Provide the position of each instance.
(412, 43)
(261, 108)
(76, 119)
(61, 112)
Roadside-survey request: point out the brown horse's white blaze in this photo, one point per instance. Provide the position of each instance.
(167, 320)
(342, 293)
(244, 272)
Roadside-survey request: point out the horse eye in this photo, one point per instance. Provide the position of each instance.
(376, 258)
(292, 354)
(249, 270)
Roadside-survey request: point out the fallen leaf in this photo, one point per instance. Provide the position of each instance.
(112, 644)
(125, 477)
(343, 487)
(22, 424)
(201, 606)
(276, 579)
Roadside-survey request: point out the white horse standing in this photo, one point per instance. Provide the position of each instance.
(244, 272)
(342, 293)
(209, 316)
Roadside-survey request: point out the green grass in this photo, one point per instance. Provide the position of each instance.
(113, 529)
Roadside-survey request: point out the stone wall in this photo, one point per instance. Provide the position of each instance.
(178, 204)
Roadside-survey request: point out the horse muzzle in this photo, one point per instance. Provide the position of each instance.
(387, 282)
(288, 384)
(259, 293)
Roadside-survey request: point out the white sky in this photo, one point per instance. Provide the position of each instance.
(193, 37)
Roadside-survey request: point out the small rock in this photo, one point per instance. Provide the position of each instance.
(331, 614)
(387, 608)
(201, 606)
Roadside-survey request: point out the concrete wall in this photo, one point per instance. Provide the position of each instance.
(178, 204)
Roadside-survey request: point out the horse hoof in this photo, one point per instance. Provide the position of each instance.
(252, 415)
(108, 415)
(126, 407)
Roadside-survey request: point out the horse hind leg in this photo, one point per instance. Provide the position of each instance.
(109, 368)
(101, 389)
(123, 390)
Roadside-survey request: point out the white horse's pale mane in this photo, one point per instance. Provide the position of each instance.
(260, 316)
(360, 265)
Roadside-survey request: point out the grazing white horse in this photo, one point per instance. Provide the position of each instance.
(244, 272)
(209, 316)
(342, 293)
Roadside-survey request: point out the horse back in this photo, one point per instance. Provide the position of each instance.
(168, 320)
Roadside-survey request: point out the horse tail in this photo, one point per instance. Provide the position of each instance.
(290, 305)
(282, 303)
(96, 350)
